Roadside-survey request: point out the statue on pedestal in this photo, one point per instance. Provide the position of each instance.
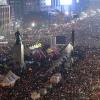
(18, 50)
(18, 38)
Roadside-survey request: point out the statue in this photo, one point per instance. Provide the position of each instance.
(18, 38)
(18, 50)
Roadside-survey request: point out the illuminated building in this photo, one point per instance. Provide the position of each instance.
(61, 5)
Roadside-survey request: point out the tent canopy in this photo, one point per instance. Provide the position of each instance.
(9, 79)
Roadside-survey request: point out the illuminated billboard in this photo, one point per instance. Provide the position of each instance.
(48, 2)
(65, 2)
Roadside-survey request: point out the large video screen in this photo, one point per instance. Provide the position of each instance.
(48, 2)
(65, 2)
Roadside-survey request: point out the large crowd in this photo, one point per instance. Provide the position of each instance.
(87, 31)
(80, 81)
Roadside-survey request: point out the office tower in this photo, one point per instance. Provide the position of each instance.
(30, 6)
(16, 9)
(4, 17)
(46, 5)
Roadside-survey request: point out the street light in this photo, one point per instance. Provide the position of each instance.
(75, 16)
(33, 24)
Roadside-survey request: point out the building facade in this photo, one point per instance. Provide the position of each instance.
(4, 19)
(31, 6)
(54, 5)
(20, 9)
(71, 5)
(16, 12)
(16, 7)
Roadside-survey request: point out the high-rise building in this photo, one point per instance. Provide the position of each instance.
(16, 12)
(83, 5)
(31, 6)
(45, 6)
(64, 5)
(16, 9)
(20, 9)
(4, 17)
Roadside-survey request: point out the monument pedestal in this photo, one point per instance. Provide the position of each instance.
(18, 54)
